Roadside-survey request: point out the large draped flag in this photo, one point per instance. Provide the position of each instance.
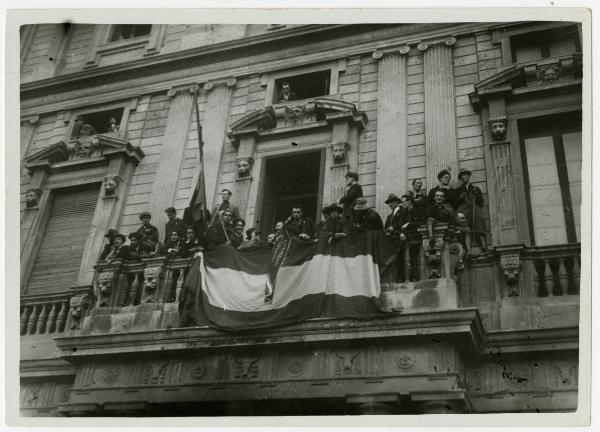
(291, 282)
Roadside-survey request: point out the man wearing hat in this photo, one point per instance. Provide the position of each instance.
(174, 224)
(353, 191)
(392, 223)
(110, 236)
(444, 185)
(335, 227)
(120, 250)
(469, 202)
(365, 218)
(150, 232)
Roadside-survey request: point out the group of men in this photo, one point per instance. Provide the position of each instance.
(349, 215)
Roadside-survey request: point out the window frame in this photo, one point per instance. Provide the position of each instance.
(557, 125)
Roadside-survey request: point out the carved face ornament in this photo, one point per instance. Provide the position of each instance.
(111, 184)
(498, 130)
(243, 167)
(84, 149)
(31, 198)
(339, 150)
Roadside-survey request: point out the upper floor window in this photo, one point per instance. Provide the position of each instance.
(552, 157)
(303, 86)
(128, 31)
(99, 122)
(557, 42)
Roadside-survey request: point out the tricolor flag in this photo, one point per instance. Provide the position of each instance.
(236, 290)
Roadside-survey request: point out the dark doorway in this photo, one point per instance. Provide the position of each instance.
(290, 180)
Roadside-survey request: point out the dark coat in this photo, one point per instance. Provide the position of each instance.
(393, 220)
(121, 253)
(170, 244)
(334, 227)
(185, 249)
(442, 214)
(469, 201)
(217, 235)
(193, 217)
(420, 199)
(150, 232)
(450, 195)
(414, 217)
(367, 220)
(106, 250)
(236, 239)
(174, 225)
(303, 226)
(226, 205)
(349, 199)
(291, 96)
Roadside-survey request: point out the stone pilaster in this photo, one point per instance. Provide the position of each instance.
(392, 138)
(441, 150)
(171, 158)
(214, 127)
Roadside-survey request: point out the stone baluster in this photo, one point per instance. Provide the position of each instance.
(24, 316)
(62, 316)
(180, 281)
(51, 323)
(135, 288)
(576, 275)
(536, 279)
(33, 319)
(169, 281)
(41, 324)
(441, 150)
(548, 278)
(407, 262)
(123, 289)
(563, 281)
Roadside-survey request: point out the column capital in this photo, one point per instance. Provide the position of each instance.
(189, 88)
(403, 50)
(424, 45)
(229, 82)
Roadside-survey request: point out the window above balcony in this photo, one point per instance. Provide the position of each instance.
(129, 31)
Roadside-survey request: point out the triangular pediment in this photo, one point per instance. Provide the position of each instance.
(501, 79)
(57, 152)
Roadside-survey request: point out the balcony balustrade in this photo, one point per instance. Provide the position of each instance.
(556, 270)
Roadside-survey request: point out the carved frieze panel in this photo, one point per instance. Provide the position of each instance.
(347, 363)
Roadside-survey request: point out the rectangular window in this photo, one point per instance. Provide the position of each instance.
(129, 31)
(552, 156)
(58, 260)
(303, 86)
(101, 122)
(533, 46)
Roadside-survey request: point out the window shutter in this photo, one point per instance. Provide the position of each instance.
(59, 258)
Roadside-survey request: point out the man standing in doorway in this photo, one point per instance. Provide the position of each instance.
(226, 205)
(300, 226)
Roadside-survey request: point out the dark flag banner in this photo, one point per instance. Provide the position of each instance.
(265, 287)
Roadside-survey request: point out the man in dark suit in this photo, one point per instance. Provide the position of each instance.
(469, 202)
(221, 228)
(138, 248)
(286, 94)
(418, 195)
(392, 223)
(365, 218)
(150, 232)
(353, 191)
(444, 186)
(120, 249)
(110, 236)
(226, 205)
(299, 226)
(174, 224)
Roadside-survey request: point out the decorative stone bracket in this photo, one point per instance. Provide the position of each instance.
(78, 306)
(549, 71)
(510, 263)
(443, 254)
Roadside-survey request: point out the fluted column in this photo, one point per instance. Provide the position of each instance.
(214, 128)
(171, 157)
(392, 138)
(441, 150)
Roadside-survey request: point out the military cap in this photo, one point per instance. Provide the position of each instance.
(170, 210)
(391, 198)
(143, 214)
(136, 235)
(330, 208)
(352, 174)
(111, 233)
(442, 173)
(463, 172)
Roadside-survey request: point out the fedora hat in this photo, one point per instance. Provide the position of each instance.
(361, 204)
(330, 208)
(391, 198)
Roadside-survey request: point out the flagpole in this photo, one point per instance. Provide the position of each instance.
(201, 174)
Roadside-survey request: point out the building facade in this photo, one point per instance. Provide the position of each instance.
(394, 103)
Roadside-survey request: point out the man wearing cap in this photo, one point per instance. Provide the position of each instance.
(138, 248)
(336, 227)
(120, 250)
(299, 226)
(150, 232)
(365, 218)
(444, 185)
(174, 224)
(469, 202)
(110, 236)
(353, 191)
(392, 223)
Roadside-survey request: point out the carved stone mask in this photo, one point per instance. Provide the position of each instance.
(31, 198)
(111, 184)
(151, 279)
(498, 129)
(84, 149)
(339, 150)
(104, 283)
(243, 166)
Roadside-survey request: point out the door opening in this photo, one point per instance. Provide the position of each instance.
(291, 180)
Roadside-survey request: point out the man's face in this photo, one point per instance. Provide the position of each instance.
(190, 234)
(171, 216)
(133, 241)
(462, 220)
(278, 225)
(226, 195)
(118, 241)
(406, 203)
(286, 88)
(465, 178)
(174, 236)
(296, 213)
(227, 216)
(445, 179)
(145, 220)
(418, 185)
(393, 204)
(239, 227)
(349, 181)
(334, 214)
(439, 197)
